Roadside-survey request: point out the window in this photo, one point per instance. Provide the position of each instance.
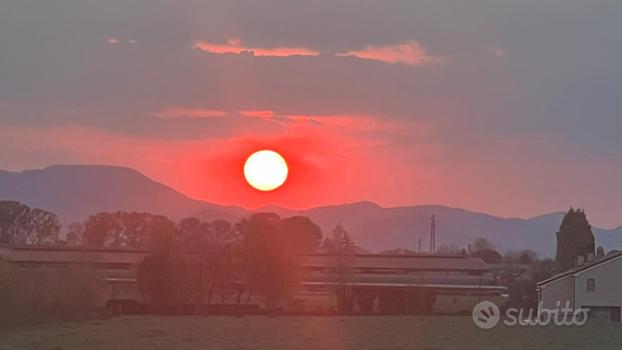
(591, 284)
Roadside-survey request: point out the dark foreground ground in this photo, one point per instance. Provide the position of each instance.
(260, 332)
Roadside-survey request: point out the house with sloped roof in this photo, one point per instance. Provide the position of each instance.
(592, 284)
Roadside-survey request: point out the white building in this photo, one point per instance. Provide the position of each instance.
(595, 285)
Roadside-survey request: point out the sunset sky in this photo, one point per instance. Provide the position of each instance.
(507, 107)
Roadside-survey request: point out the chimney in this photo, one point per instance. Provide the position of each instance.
(590, 257)
(580, 260)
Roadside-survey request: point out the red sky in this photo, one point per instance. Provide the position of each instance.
(336, 160)
(492, 107)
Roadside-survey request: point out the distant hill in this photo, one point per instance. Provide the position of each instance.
(76, 191)
(381, 228)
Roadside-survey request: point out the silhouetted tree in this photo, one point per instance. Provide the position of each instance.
(341, 246)
(482, 248)
(527, 257)
(152, 277)
(102, 229)
(489, 256)
(20, 224)
(222, 233)
(271, 263)
(574, 238)
(207, 245)
(302, 233)
(130, 230)
(523, 257)
(163, 280)
(482, 244)
(75, 234)
(339, 242)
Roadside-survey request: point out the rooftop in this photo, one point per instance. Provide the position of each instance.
(359, 261)
(603, 260)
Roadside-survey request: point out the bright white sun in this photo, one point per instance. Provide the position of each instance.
(265, 170)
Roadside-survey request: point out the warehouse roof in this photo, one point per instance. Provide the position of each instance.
(360, 261)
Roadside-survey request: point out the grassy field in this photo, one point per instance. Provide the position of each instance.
(288, 332)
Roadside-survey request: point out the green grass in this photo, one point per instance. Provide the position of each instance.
(288, 332)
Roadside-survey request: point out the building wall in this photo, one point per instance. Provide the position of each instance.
(456, 276)
(559, 290)
(608, 285)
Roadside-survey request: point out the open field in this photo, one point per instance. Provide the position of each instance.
(260, 332)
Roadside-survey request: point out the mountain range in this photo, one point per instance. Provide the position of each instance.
(76, 191)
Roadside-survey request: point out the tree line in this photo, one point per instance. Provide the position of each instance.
(258, 257)
(192, 260)
(22, 225)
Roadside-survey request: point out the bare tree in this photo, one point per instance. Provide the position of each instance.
(341, 246)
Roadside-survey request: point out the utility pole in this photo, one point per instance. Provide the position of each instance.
(433, 235)
(419, 245)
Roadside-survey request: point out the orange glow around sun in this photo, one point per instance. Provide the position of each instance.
(265, 170)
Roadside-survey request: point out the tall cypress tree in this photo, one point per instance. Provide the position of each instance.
(574, 238)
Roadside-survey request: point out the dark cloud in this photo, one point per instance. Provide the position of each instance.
(560, 62)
